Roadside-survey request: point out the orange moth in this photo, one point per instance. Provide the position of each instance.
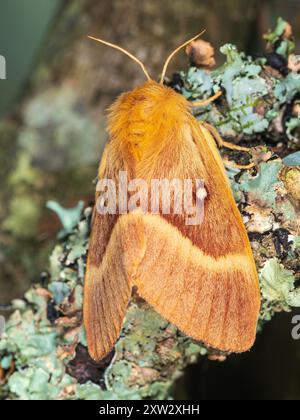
(202, 278)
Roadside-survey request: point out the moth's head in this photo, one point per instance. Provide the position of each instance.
(167, 62)
(136, 117)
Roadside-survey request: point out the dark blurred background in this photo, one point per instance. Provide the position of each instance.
(52, 130)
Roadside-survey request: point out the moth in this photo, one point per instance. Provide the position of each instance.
(202, 278)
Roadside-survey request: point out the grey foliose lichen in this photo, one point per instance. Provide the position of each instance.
(257, 97)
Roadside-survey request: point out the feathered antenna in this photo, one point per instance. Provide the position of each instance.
(125, 52)
(174, 53)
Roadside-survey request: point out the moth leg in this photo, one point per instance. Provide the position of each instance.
(206, 102)
(222, 143)
(237, 166)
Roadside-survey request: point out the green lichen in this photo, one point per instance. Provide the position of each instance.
(292, 160)
(33, 342)
(287, 88)
(292, 129)
(267, 193)
(244, 86)
(263, 190)
(278, 286)
(296, 242)
(262, 187)
(199, 83)
(68, 217)
(59, 291)
(253, 101)
(284, 47)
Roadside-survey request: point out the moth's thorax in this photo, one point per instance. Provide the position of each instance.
(147, 117)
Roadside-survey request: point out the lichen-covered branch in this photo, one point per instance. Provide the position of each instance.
(260, 96)
(43, 352)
